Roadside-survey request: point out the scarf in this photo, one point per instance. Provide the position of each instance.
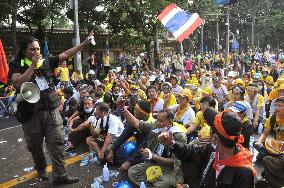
(180, 112)
(242, 159)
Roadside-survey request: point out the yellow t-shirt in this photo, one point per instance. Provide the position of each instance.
(64, 74)
(199, 120)
(278, 128)
(77, 76)
(106, 60)
(269, 81)
(172, 99)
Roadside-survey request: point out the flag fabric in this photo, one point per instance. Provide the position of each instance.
(45, 49)
(180, 23)
(4, 69)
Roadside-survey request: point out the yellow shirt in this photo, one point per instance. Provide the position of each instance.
(269, 81)
(199, 120)
(279, 125)
(172, 99)
(64, 74)
(77, 76)
(106, 60)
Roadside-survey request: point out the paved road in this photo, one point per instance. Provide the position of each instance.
(14, 157)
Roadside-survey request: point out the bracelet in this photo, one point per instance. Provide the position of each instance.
(150, 154)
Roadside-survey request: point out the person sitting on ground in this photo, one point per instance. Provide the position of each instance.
(184, 114)
(142, 113)
(176, 89)
(160, 169)
(106, 129)
(240, 108)
(224, 163)
(78, 132)
(167, 96)
(257, 104)
(80, 107)
(238, 94)
(275, 124)
(69, 106)
(199, 121)
(156, 103)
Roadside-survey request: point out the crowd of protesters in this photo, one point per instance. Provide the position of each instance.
(191, 116)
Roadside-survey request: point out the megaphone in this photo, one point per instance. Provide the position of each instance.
(29, 92)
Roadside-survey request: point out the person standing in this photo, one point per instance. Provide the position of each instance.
(63, 72)
(106, 61)
(42, 120)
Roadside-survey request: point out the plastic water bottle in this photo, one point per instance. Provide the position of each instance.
(105, 173)
(95, 185)
(142, 185)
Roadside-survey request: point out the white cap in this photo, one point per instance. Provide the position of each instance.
(91, 72)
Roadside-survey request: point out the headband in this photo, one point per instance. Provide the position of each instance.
(220, 128)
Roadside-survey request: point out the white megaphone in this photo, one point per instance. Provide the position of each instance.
(29, 92)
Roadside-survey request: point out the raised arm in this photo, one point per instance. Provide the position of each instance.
(131, 120)
(68, 53)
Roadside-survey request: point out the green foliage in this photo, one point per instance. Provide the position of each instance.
(89, 16)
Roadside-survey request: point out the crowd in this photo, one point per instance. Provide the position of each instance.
(193, 118)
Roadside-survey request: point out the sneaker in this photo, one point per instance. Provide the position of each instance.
(65, 180)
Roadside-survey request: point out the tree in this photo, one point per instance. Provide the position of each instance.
(90, 16)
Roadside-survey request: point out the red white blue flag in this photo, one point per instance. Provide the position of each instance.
(178, 22)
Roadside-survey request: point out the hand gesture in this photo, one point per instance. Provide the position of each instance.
(121, 102)
(101, 155)
(166, 138)
(36, 58)
(89, 39)
(145, 153)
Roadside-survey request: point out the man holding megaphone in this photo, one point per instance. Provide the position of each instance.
(38, 105)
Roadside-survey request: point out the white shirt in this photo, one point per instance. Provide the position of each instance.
(177, 90)
(220, 92)
(115, 125)
(77, 96)
(253, 103)
(159, 106)
(187, 118)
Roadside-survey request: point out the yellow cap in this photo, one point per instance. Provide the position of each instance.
(207, 91)
(281, 86)
(186, 93)
(153, 172)
(278, 82)
(240, 82)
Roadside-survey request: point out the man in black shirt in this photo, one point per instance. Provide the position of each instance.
(142, 113)
(42, 119)
(224, 163)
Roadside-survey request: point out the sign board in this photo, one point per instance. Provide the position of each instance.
(235, 45)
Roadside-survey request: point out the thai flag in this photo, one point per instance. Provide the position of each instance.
(180, 23)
